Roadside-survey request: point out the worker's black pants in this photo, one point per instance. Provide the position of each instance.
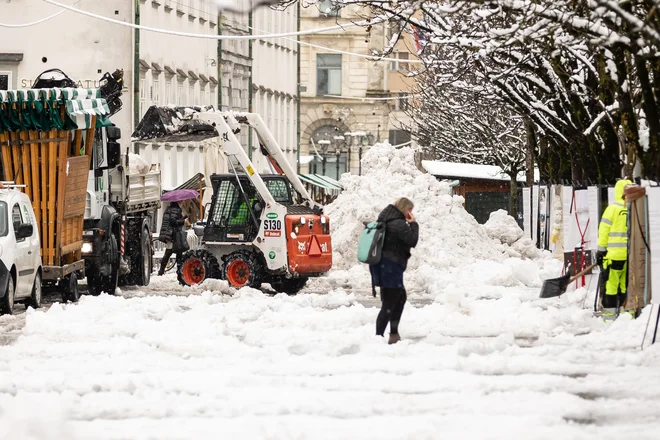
(391, 310)
(166, 258)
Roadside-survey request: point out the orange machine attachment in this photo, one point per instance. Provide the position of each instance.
(308, 243)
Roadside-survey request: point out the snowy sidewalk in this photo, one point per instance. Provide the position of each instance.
(206, 366)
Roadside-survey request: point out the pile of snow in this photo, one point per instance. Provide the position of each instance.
(453, 248)
(449, 236)
(504, 228)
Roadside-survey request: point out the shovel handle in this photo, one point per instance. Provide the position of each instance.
(578, 275)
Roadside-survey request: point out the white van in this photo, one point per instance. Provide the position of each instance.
(20, 258)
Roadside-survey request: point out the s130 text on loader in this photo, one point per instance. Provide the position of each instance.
(258, 228)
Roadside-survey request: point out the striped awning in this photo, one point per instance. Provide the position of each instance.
(324, 182)
(32, 109)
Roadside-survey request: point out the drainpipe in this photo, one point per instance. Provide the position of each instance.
(136, 73)
(219, 62)
(298, 93)
(249, 147)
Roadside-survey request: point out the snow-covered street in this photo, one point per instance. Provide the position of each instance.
(481, 356)
(209, 365)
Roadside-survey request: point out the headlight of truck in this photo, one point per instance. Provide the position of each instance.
(87, 248)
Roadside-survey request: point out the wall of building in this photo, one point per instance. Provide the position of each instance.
(176, 70)
(82, 47)
(275, 81)
(360, 78)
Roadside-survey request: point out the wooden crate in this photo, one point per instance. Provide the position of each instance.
(55, 172)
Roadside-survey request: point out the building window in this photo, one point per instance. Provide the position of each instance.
(401, 101)
(5, 80)
(179, 95)
(328, 8)
(328, 74)
(168, 92)
(155, 93)
(143, 95)
(398, 137)
(396, 65)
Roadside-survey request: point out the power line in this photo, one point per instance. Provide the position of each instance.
(356, 98)
(206, 36)
(329, 49)
(43, 20)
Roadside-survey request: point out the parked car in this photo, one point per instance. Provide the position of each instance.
(20, 260)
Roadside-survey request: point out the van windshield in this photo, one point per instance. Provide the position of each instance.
(3, 219)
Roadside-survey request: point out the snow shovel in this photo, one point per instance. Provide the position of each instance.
(557, 286)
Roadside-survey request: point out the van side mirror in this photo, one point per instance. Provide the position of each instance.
(24, 230)
(113, 133)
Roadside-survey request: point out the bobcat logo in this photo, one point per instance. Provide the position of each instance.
(302, 246)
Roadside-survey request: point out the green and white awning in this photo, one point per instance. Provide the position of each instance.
(324, 182)
(38, 109)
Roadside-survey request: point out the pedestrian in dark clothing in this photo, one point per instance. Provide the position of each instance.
(401, 234)
(173, 222)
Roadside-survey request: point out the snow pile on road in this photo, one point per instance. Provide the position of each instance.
(449, 236)
(504, 228)
(453, 250)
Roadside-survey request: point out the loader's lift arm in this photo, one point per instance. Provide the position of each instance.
(228, 124)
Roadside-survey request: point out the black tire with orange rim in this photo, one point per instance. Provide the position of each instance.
(243, 269)
(196, 266)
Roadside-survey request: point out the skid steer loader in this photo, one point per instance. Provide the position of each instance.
(257, 228)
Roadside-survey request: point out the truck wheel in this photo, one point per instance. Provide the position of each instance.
(97, 283)
(196, 266)
(7, 306)
(143, 264)
(69, 288)
(291, 286)
(243, 268)
(35, 299)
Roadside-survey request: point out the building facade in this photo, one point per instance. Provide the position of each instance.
(162, 69)
(348, 103)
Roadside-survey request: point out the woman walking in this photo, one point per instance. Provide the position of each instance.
(401, 234)
(173, 222)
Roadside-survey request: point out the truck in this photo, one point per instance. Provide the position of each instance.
(257, 228)
(95, 210)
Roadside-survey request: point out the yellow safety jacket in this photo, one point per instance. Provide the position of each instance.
(613, 228)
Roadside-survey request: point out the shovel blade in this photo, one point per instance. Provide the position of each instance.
(555, 286)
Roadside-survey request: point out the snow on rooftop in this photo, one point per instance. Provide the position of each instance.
(471, 171)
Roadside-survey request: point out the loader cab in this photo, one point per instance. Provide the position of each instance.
(229, 218)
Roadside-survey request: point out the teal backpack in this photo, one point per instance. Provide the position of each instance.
(370, 246)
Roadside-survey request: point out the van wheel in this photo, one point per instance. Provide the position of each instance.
(243, 268)
(196, 266)
(69, 288)
(35, 299)
(7, 306)
(291, 286)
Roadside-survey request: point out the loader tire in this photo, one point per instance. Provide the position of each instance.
(243, 269)
(196, 266)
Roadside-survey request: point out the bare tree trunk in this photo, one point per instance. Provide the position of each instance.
(531, 146)
(513, 195)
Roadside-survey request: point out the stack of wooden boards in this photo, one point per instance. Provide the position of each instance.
(46, 143)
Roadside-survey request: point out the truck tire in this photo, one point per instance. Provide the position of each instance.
(243, 269)
(97, 283)
(69, 288)
(7, 305)
(196, 266)
(141, 261)
(35, 299)
(290, 287)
